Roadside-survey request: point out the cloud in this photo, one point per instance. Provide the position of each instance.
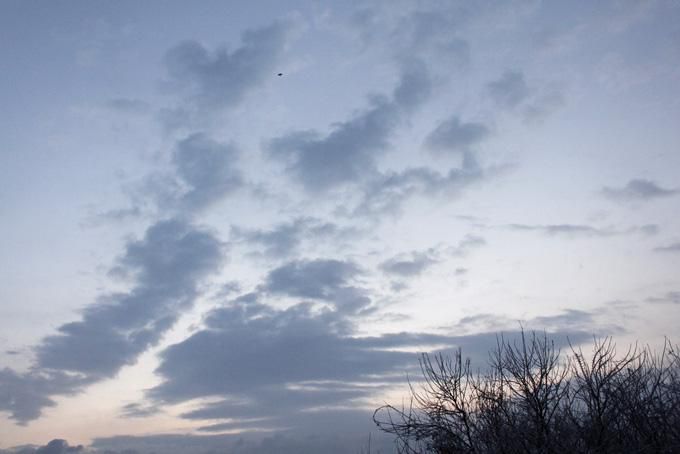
(675, 247)
(280, 443)
(24, 395)
(348, 153)
(166, 267)
(509, 90)
(275, 368)
(269, 351)
(584, 231)
(432, 34)
(387, 192)
(568, 320)
(638, 190)
(429, 33)
(415, 263)
(543, 103)
(466, 245)
(128, 106)
(56, 446)
(206, 168)
(284, 239)
(415, 86)
(222, 78)
(139, 410)
(452, 136)
(668, 298)
(320, 279)
(412, 264)
(203, 172)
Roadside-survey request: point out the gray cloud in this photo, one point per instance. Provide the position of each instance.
(386, 193)
(128, 106)
(668, 298)
(415, 263)
(638, 190)
(675, 247)
(543, 103)
(432, 33)
(415, 86)
(207, 170)
(203, 172)
(466, 245)
(452, 136)
(24, 395)
(509, 90)
(222, 78)
(281, 348)
(412, 264)
(284, 239)
(348, 153)
(279, 443)
(328, 280)
(138, 410)
(273, 366)
(568, 320)
(56, 446)
(166, 266)
(582, 231)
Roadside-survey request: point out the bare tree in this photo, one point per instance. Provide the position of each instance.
(531, 400)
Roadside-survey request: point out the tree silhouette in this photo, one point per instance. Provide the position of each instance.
(532, 400)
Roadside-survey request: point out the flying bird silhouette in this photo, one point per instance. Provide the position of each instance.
(280, 74)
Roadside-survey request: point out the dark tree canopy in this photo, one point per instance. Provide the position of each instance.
(532, 399)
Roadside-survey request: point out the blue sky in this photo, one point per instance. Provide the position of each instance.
(199, 253)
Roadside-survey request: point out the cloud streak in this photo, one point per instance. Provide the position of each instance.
(638, 190)
(166, 266)
(583, 231)
(348, 153)
(453, 135)
(671, 248)
(509, 90)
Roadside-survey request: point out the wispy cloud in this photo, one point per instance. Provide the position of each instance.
(672, 248)
(509, 90)
(638, 190)
(583, 231)
(672, 297)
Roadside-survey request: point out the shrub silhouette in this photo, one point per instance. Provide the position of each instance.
(532, 400)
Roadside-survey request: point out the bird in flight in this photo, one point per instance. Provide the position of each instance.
(280, 74)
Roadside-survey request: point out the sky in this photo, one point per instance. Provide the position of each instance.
(233, 226)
